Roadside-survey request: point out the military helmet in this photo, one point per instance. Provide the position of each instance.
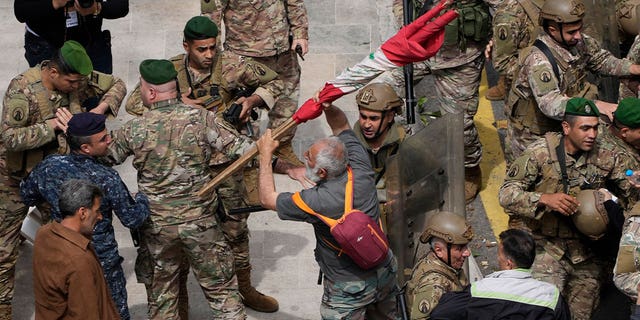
(378, 97)
(448, 226)
(591, 218)
(562, 11)
(628, 14)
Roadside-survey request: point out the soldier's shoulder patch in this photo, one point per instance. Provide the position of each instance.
(545, 76)
(502, 32)
(18, 110)
(517, 169)
(424, 306)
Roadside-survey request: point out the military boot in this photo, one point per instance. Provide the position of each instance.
(497, 92)
(251, 297)
(472, 183)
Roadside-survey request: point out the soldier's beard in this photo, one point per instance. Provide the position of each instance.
(311, 173)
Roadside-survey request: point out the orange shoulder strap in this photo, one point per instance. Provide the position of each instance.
(348, 202)
(297, 199)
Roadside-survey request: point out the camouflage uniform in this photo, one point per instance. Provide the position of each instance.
(633, 56)
(43, 185)
(394, 137)
(173, 145)
(537, 99)
(515, 27)
(564, 257)
(457, 68)
(26, 140)
(430, 279)
(259, 31)
(200, 86)
(232, 192)
(626, 274)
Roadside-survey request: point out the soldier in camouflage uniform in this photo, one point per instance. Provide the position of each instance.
(201, 84)
(626, 127)
(544, 83)
(88, 138)
(378, 132)
(457, 68)
(37, 105)
(440, 271)
(624, 130)
(539, 199)
(173, 145)
(515, 27)
(267, 32)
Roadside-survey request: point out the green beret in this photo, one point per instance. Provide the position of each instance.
(200, 28)
(578, 106)
(628, 112)
(76, 57)
(157, 71)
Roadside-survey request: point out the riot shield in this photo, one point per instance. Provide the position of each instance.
(601, 23)
(426, 175)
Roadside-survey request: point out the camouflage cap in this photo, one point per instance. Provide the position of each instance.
(157, 71)
(578, 106)
(628, 112)
(85, 124)
(75, 56)
(199, 28)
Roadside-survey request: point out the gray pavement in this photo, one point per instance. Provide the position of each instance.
(341, 33)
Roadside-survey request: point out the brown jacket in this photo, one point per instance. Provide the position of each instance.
(67, 278)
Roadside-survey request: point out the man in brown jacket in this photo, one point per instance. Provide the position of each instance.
(67, 277)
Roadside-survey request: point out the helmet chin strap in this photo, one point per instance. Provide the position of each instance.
(448, 262)
(562, 36)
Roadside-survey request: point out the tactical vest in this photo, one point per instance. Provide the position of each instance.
(20, 163)
(524, 111)
(212, 92)
(473, 23)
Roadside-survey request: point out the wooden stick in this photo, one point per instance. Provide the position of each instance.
(277, 134)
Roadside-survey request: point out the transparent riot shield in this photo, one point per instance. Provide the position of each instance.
(601, 23)
(425, 176)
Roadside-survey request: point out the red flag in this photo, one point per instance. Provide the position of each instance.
(420, 39)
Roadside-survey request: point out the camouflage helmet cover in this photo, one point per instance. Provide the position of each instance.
(448, 226)
(591, 218)
(562, 11)
(378, 97)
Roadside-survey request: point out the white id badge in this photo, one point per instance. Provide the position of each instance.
(72, 19)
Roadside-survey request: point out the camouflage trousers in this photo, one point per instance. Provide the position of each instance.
(457, 92)
(114, 275)
(373, 297)
(202, 245)
(232, 194)
(579, 283)
(285, 88)
(12, 213)
(144, 274)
